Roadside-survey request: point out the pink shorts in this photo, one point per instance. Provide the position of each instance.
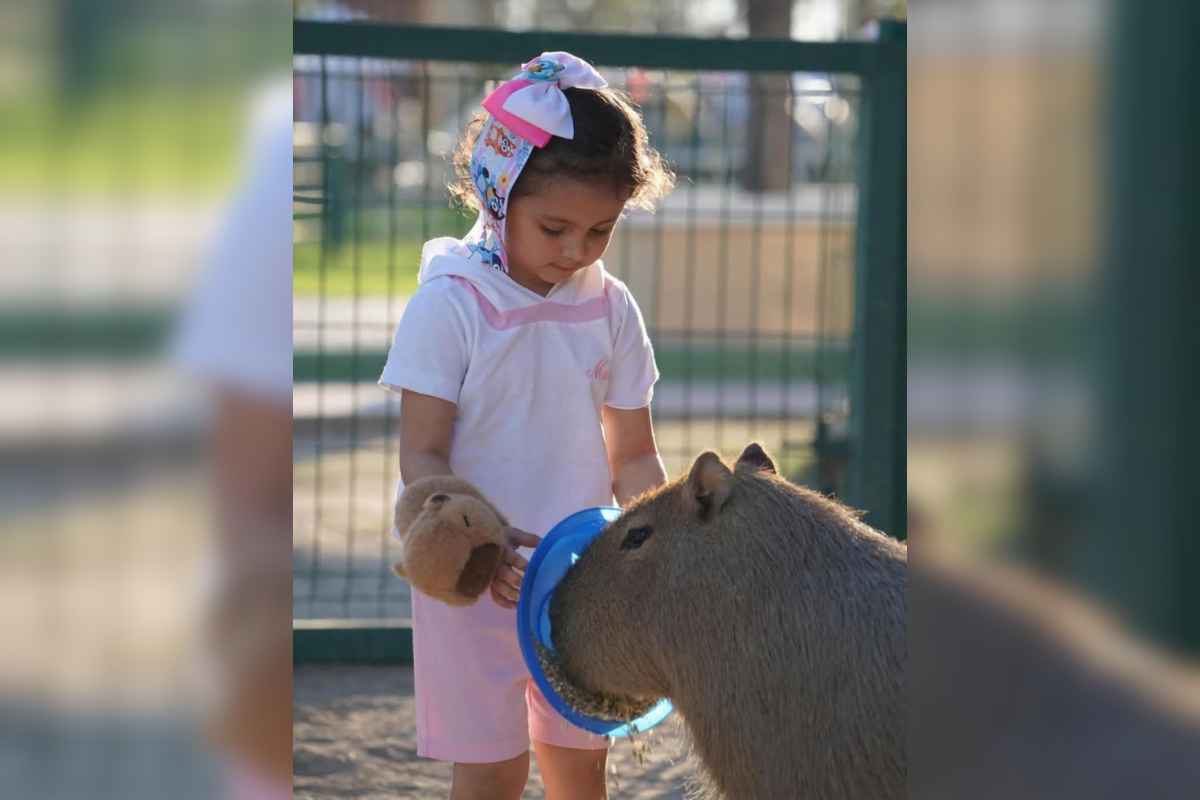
(475, 701)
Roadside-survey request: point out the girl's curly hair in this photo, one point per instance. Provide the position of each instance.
(610, 145)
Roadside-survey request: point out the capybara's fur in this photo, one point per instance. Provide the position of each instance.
(1022, 689)
(772, 617)
(452, 539)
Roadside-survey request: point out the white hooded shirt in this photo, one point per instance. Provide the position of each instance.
(529, 376)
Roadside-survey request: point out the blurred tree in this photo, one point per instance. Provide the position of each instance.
(81, 32)
(628, 16)
(485, 13)
(860, 13)
(768, 128)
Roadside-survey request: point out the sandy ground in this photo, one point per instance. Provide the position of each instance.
(354, 736)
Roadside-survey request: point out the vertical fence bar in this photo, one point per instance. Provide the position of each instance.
(360, 135)
(822, 443)
(426, 170)
(322, 264)
(789, 282)
(689, 272)
(656, 331)
(763, 88)
(877, 398)
(626, 253)
(1141, 546)
(723, 266)
(388, 421)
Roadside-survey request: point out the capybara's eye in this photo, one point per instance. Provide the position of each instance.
(636, 537)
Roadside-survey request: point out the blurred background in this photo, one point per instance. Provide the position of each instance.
(1049, 416)
(1003, 257)
(127, 131)
(1051, 406)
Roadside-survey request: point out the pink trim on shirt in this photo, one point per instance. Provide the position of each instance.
(590, 311)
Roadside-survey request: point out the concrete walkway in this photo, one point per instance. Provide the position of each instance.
(672, 399)
(337, 324)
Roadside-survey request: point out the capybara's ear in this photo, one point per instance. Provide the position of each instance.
(755, 457)
(708, 483)
(398, 568)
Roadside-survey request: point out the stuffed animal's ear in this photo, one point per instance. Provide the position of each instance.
(754, 457)
(436, 501)
(398, 568)
(708, 483)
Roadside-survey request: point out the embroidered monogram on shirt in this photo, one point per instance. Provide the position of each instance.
(600, 371)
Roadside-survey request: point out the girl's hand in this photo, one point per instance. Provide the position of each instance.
(506, 587)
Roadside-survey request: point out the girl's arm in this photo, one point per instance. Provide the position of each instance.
(633, 456)
(426, 432)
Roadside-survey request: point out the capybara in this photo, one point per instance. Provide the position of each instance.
(1021, 688)
(772, 617)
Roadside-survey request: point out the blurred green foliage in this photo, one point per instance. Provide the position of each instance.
(133, 98)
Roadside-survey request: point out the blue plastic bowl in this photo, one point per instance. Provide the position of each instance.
(561, 548)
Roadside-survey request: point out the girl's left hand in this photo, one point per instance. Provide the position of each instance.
(506, 587)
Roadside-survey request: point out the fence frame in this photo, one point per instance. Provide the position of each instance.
(877, 396)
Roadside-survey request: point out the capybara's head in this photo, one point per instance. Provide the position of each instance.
(662, 561)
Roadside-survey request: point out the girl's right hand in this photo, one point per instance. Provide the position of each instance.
(506, 587)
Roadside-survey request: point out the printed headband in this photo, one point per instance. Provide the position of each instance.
(523, 113)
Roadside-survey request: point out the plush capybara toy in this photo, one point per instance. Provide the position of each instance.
(452, 539)
(773, 618)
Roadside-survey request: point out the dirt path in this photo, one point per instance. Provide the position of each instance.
(354, 736)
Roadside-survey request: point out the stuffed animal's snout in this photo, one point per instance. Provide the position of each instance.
(480, 569)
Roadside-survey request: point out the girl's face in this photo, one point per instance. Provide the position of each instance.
(551, 235)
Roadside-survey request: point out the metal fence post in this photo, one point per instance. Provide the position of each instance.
(1142, 544)
(877, 383)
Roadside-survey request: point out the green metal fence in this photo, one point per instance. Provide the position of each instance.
(776, 313)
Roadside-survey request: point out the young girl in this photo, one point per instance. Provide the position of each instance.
(525, 369)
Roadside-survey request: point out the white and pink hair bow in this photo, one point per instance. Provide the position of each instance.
(533, 105)
(524, 113)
